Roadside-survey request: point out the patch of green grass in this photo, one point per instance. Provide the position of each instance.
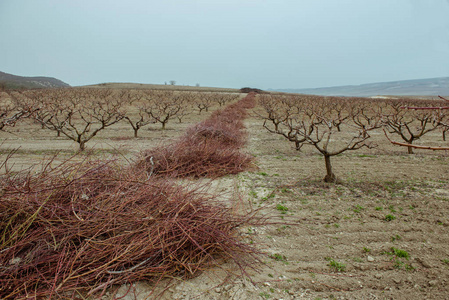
(445, 261)
(283, 227)
(283, 209)
(389, 218)
(262, 174)
(391, 208)
(400, 264)
(337, 266)
(400, 253)
(366, 250)
(265, 295)
(358, 208)
(279, 257)
(366, 155)
(285, 190)
(378, 208)
(304, 201)
(396, 237)
(270, 196)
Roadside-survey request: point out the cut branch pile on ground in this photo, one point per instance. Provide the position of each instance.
(81, 228)
(208, 149)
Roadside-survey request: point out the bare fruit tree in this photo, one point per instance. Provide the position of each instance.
(13, 107)
(164, 106)
(411, 119)
(224, 98)
(331, 125)
(136, 114)
(78, 114)
(203, 101)
(278, 110)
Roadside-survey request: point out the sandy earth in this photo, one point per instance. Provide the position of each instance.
(381, 233)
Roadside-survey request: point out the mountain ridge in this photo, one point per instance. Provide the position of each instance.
(414, 87)
(11, 81)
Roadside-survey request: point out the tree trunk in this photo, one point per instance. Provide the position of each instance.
(330, 177)
(135, 132)
(410, 150)
(82, 145)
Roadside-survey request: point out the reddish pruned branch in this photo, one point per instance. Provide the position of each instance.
(415, 146)
(442, 98)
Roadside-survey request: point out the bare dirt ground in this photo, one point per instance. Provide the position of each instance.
(381, 233)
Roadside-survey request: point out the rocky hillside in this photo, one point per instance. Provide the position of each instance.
(10, 81)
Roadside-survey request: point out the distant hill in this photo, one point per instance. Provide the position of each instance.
(10, 81)
(130, 85)
(417, 87)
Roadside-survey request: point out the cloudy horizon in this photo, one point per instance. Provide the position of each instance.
(233, 43)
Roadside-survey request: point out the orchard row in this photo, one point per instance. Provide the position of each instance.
(81, 113)
(333, 125)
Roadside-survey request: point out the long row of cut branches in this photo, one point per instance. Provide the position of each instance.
(77, 229)
(211, 148)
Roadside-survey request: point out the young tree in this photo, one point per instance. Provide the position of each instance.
(331, 125)
(163, 106)
(136, 114)
(438, 108)
(203, 101)
(278, 111)
(411, 119)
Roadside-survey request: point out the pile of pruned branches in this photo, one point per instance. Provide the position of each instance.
(211, 148)
(82, 227)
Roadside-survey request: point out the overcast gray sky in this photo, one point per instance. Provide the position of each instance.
(232, 43)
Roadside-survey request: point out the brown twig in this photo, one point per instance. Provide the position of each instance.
(415, 146)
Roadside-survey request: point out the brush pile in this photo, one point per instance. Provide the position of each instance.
(77, 229)
(211, 148)
(81, 229)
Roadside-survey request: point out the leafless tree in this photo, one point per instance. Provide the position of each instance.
(203, 101)
(411, 119)
(136, 114)
(78, 114)
(13, 107)
(164, 105)
(278, 111)
(224, 98)
(321, 122)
